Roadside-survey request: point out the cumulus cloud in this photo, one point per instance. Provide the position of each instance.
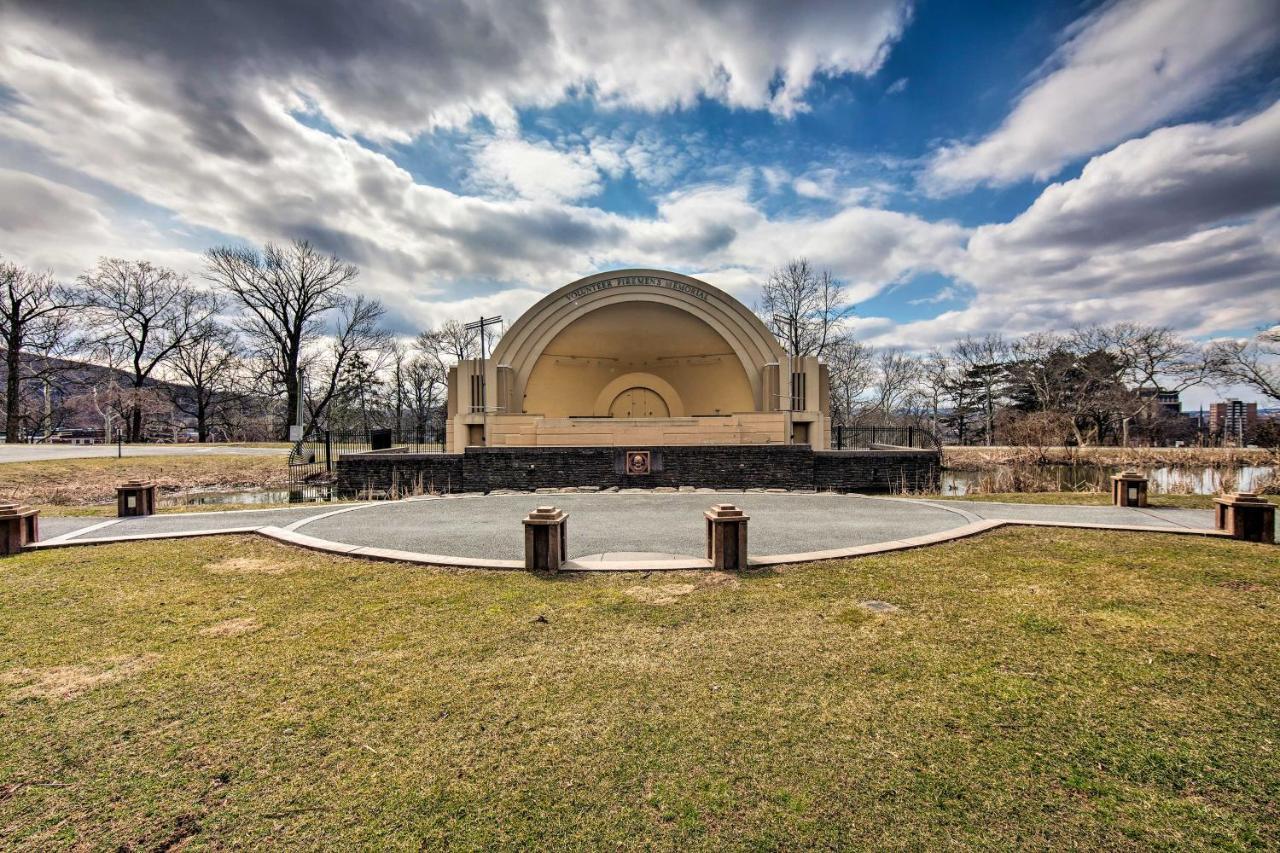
(1121, 71)
(391, 70)
(426, 250)
(1180, 227)
(536, 170)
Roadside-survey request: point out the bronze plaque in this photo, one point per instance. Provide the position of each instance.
(637, 462)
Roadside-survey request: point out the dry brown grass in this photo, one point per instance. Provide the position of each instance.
(978, 458)
(1037, 688)
(248, 566)
(60, 683)
(232, 627)
(666, 592)
(70, 482)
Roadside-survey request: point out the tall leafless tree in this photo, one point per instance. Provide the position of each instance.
(935, 377)
(1150, 358)
(207, 367)
(894, 381)
(449, 343)
(147, 312)
(803, 307)
(34, 317)
(358, 333)
(287, 294)
(850, 373)
(1255, 364)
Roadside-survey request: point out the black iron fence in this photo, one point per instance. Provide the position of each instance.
(866, 437)
(314, 459)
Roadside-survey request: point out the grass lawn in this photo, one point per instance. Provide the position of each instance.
(1089, 499)
(1037, 687)
(80, 482)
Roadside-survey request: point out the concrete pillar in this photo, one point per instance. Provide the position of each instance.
(135, 498)
(727, 537)
(1129, 488)
(1246, 516)
(546, 540)
(19, 527)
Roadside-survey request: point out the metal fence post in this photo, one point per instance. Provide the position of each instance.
(328, 452)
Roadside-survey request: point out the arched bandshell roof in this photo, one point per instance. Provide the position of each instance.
(526, 339)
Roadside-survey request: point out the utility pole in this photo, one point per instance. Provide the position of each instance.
(481, 325)
(790, 323)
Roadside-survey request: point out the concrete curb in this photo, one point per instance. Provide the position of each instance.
(290, 535)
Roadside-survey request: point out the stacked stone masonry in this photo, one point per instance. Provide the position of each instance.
(485, 469)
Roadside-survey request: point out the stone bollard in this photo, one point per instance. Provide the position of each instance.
(1246, 516)
(1129, 488)
(727, 537)
(136, 497)
(546, 539)
(19, 527)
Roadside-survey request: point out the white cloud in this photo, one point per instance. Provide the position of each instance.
(536, 170)
(1178, 228)
(422, 249)
(391, 73)
(1121, 71)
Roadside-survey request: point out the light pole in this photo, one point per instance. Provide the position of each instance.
(790, 323)
(480, 325)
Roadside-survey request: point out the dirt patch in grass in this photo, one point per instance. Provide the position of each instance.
(248, 566)
(670, 593)
(61, 683)
(232, 627)
(665, 593)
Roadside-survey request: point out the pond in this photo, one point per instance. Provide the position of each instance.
(249, 497)
(1166, 479)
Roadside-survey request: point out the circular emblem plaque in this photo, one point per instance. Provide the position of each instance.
(637, 462)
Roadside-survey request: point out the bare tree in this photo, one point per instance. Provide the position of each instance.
(894, 381)
(358, 334)
(803, 307)
(286, 292)
(1149, 357)
(984, 359)
(849, 363)
(935, 378)
(147, 312)
(34, 319)
(424, 389)
(1255, 363)
(208, 366)
(449, 344)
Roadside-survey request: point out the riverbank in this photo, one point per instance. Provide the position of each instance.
(1087, 499)
(975, 458)
(85, 482)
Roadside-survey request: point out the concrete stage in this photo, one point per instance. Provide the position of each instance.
(621, 530)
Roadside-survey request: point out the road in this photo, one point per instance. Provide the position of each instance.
(39, 452)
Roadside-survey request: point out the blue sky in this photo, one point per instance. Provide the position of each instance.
(1012, 167)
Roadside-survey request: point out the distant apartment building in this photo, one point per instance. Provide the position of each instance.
(1232, 420)
(1161, 402)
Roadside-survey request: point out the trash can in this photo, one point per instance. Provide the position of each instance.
(380, 439)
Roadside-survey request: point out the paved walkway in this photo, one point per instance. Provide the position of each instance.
(616, 531)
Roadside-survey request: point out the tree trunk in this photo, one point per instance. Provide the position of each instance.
(13, 385)
(291, 389)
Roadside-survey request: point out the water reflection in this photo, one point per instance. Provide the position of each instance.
(250, 497)
(1167, 479)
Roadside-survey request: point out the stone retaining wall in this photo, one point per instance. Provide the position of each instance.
(485, 469)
